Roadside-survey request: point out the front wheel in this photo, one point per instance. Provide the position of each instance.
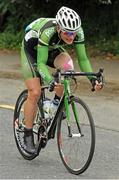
(76, 137)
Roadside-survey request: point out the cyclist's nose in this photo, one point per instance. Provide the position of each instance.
(71, 37)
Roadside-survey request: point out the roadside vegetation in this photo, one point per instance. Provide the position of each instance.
(99, 20)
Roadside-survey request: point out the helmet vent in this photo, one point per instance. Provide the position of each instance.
(69, 23)
(64, 22)
(71, 16)
(73, 23)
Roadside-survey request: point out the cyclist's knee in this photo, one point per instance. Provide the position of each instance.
(68, 65)
(64, 62)
(34, 95)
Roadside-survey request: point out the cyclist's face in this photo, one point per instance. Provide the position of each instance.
(68, 37)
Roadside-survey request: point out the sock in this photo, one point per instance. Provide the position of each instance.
(28, 131)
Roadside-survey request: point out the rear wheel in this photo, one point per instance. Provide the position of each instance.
(18, 126)
(76, 140)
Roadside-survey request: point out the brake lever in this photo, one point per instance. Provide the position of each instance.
(101, 76)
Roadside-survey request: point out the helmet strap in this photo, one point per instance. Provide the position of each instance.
(59, 34)
(59, 31)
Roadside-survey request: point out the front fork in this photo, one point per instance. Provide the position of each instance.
(67, 98)
(67, 94)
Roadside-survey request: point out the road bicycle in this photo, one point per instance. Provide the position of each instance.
(75, 133)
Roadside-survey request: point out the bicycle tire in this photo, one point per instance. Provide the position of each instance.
(16, 125)
(63, 148)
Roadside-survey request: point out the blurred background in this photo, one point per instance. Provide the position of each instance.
(100, 21)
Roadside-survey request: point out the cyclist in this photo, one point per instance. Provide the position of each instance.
(44, 45)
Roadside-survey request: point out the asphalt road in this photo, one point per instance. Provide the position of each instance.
(105, 165)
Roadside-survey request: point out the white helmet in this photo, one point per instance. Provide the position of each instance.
(68, 19)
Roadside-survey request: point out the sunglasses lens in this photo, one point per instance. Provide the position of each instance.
(69, 33)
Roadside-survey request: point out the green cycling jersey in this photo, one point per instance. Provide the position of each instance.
(44, 29)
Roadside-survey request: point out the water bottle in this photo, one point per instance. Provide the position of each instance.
(46, 108)
(53, 107)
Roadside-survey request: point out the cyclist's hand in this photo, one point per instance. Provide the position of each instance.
(98, 85)
(52, 84)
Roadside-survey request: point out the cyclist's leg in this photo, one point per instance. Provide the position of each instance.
(34, 89)
(32, 83)
(63, 61)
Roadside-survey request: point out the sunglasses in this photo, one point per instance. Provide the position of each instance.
(69, 33)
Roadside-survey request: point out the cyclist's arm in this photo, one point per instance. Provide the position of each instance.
(83, 60)
(42, 56)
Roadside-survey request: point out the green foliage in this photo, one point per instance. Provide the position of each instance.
(100, 21)
(111, 45)
(3, 7)
(10, 41)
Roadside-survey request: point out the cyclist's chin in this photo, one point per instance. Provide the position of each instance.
(68, 40)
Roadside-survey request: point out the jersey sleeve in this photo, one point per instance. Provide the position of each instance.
(80, 37)
(83, 60)
(42, 56)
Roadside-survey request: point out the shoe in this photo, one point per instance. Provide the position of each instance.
(29, 146)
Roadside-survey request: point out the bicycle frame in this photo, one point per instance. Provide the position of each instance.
(65, 98)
